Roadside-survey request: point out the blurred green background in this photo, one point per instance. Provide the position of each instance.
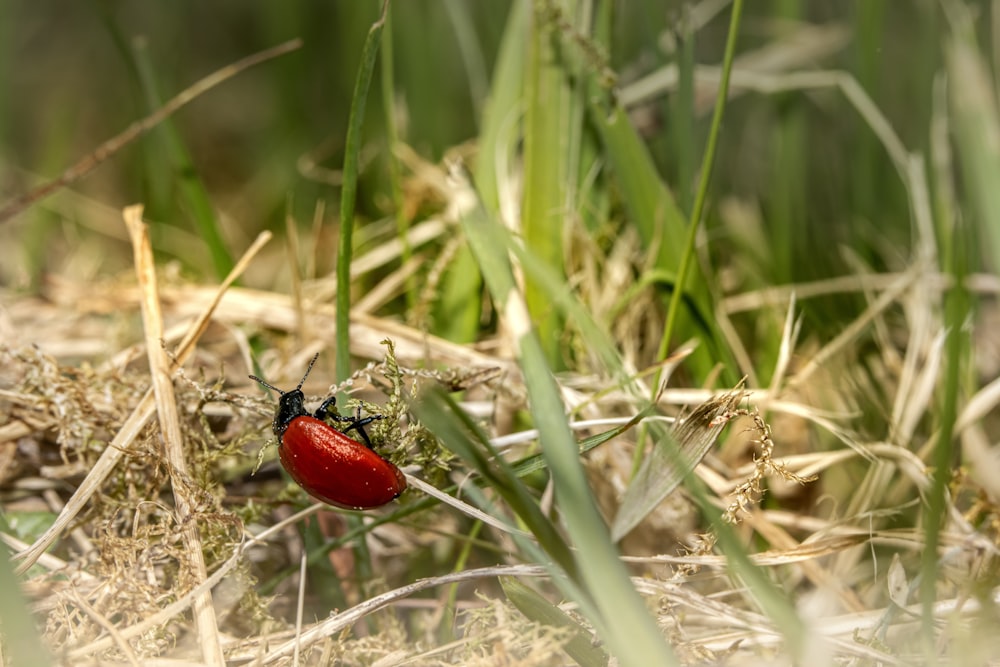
(69, 81)
(802, 189)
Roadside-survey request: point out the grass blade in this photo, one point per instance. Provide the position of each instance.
(349, 191)
(581, 647)
(192, 190)
(547, 134)
(630, 632)
(498, 138)
(19, 644)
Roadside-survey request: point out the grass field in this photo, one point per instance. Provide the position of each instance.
(681, 318)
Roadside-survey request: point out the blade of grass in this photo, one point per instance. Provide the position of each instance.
(592, 204)
(687, 255)
(681, 112)
(502, 110)
(388, 81)
(624, 622)
(655, 215)
(977, 128)
(787, 207)
(460, 14)
(157, 177)
(866, 181)
(348, 196)
(660, 223)
(671, 460)
(192, 190)
(547, 134)
(535, 462)
(19, 644)
(641, 499)
(474, 447)
(460, 433)
(581, 647)
(458, 308)
(550, 550)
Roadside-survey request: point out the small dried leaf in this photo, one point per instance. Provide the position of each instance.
(898, 586)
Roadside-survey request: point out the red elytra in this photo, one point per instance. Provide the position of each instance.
(328, 464)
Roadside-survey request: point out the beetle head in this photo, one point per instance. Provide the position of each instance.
(291, 404)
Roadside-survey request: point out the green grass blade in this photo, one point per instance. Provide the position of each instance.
(634, 636)
(977, 129)
(661, 225)
(547, 134)
(536, 462)
(681, 113)
(498, 136)
(349, 191)
(352, 151)
(457, 432)
(652, 207)
(460, 14)
(458, 308)
(193, 193)
(687, 257)
(388, 81)
(957, 307)
(19, 643)
(629, 630)
(581, 647)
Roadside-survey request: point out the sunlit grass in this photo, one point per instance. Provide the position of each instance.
(511, 199)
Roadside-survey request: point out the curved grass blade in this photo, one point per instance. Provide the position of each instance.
(581, 647)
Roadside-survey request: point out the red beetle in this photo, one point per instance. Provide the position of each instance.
(324, 461)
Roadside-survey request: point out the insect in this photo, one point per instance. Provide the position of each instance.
(324, 461)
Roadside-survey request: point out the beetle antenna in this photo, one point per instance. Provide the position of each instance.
(269, 386)
(303, 380)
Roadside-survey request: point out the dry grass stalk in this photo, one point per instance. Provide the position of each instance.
(166, 410)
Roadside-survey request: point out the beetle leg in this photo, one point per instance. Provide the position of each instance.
(324, 409)
(356, 422)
